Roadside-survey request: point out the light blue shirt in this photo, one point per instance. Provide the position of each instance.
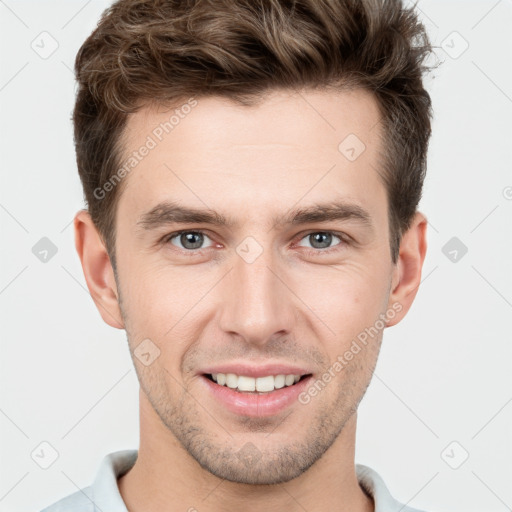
(103, 495)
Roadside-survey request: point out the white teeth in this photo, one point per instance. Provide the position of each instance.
(251, 384)
(279, 381)
(231, 380)
(265, 383)
(246, 383)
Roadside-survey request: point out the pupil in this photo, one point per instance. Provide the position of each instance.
(187, 238)
(315, 236)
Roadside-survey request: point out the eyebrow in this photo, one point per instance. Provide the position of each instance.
(169, 212)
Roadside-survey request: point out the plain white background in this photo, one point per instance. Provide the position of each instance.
(442, 389)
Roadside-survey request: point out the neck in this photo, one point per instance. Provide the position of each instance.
(165, 478)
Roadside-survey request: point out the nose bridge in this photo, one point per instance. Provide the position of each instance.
(256, 303)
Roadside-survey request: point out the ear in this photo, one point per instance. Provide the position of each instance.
(98, 271)
(407, 271)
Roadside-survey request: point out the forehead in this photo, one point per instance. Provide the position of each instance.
(291, 149)
(310, 117)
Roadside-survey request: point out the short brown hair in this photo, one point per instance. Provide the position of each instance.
(161, 51)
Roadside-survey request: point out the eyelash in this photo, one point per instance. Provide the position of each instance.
(342, 236)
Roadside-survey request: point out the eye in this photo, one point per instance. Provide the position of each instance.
(188, 240)
(321, 240)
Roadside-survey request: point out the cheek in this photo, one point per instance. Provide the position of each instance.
(347, 300)
(152, 291)
(164, 305)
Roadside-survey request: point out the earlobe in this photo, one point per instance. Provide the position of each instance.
(407, 273)
(98, 271)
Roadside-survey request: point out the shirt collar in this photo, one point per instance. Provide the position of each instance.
(105, 492)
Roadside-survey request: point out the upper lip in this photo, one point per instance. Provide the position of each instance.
(255, 371)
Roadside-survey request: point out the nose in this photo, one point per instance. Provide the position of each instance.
(256, 303)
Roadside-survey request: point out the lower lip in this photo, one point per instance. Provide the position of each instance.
(253, 404)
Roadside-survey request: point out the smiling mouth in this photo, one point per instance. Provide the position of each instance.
(255, 385)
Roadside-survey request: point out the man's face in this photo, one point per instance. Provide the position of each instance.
(252, 292)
